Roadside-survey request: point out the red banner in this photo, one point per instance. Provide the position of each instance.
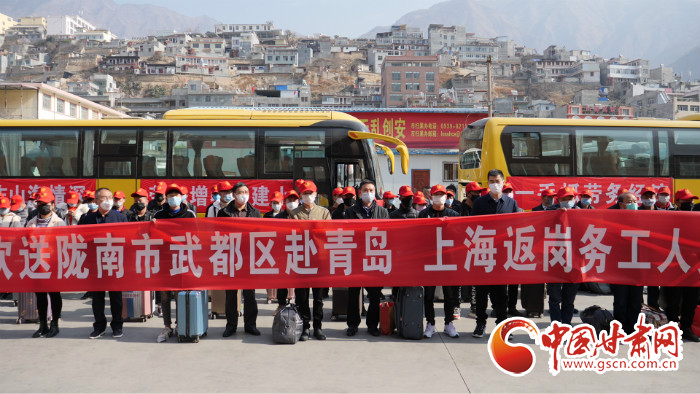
(200, 190)
(605, 190)
(624, 247)
(25, 187)
(430, 130)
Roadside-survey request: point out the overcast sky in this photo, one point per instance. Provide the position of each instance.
(331, 17)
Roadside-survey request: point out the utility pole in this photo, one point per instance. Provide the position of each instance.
(490, 88)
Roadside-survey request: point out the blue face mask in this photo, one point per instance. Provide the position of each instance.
(567, 204)
(174, 201)
(632, 206)
(586, 201)
(228, 197)
(216, 197)
(92, 206)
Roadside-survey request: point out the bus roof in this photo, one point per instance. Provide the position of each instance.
(588, 122)
(254, 114)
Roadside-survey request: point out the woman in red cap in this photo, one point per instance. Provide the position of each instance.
(337, 199)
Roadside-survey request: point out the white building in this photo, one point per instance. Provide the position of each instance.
(67, 24)
(96, 35)
(243, 27)
(443, 38)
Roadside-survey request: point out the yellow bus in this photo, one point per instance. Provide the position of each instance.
(197, 148)
(603, 156)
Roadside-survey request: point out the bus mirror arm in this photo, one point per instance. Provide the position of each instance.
(400, 145)
(390, 154)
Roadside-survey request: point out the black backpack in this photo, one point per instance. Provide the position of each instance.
(599, 318)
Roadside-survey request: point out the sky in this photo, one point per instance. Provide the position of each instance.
(331, 17)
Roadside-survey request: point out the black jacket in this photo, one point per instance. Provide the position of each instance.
(227, 211)
(357, 211)
(97, 218)
(538, 208)
(339, 212)
(557, 206)
(271, 214)
(167, 213)
(432, 213)
(404, 213)
(133, 215)
(153, 206)
(282, 215)
(578, 204)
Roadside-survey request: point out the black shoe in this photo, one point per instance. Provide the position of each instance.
(304, 335)
(252, 331)
(514, 312)
(351, 331)
(6, 296)
(97, 333)
(53, 329)
(85, 296)
(42, 332)
(228, 332)
(479, 331)
(117, 333)
(690, 337)
(575, 311)
(318, 334)
(374, 332)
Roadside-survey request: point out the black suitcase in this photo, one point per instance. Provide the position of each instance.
(408, 309)
(340, 302)
(532, 299)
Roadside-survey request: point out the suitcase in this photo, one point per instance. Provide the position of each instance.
(218, 304)
(387, 320)
(409, 312)
(27, 311)
(287, 325)
(192, 322)
(137, 305)
(532, 299)
(340, 302)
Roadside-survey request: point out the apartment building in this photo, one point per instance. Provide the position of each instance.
(410, 80)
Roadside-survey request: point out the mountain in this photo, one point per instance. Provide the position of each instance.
(124, 20)
(659, 31)
(688, 65)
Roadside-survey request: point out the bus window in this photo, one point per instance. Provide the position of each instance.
(88, 152)
(155, 153)
(349, 174)
(664, 154)
(283, 146)
(46, 153)
(618, 152)
(538, 153)
(213, 153)
(470, 142)
(686, 153)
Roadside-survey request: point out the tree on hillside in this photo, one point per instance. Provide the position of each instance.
(155, 91)
(130, 88)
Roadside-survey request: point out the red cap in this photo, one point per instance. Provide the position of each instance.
(161, 188)
(389, 195)
(622, 191)
(473, 187)
(380, 203)
(405, 191)
(119, 194)
(648, 189)
(664, 190)
(276, 196)
(420, 200)
(225, 185)
(438, 189)
(307, 186)
(507, 186)
(184, 190)
(337, 191)
(4, 202)
(349, 190)
(16, 202)
(72, 197)
(450, 192)
(548, 193)
(586, 192)
(45, 195)
(290, 194)
(89, 194)
(173, 187)
(685, 194)
(566, 192)
(419, 193)
(214, 189)
(298, 183)
(140, 193)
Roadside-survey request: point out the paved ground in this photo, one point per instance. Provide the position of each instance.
(71, 362)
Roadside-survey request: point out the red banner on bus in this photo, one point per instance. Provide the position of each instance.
(200, 190)
(427, 130)
(619, 247)
(527, 190)
(25, 187)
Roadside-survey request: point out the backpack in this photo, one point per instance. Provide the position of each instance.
(287, 325)
(599, 318)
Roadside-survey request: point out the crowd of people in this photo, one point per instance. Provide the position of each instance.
(232, 201)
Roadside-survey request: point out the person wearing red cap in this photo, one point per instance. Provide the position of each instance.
(664, 199)
(493, 203)
(348, 195)
(366, 209)
(46, 217)
(419, 201)
(438, 195)
(19, 208)
(185, 196)
(158, 201)
(139, 211)
(9, 218)
(566, 199)
(119, 198)
(405, 209)
(297, 185)
(215, 196)
(240, 207)
(452, 201)
(105, 214)
(225, 194)
(618, 203)
(547, 196)
(586, 200)
(684, 200)
(309, 210)
(388, 199)
(508, 190)
(72, 200)
(275, 204)
(472, 191)
(337, 196)
(648, 199)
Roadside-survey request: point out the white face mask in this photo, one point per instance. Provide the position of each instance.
(663, 199)
(308, 199)
(107, 204)
(495, 188)
(439, 200)
(339, 200)
(511, 194)
(648, 201)
(276, 206)
(4, 211)
(292, 205)
(420, 207)
(367, 197)
(241, 199)
(120, 203)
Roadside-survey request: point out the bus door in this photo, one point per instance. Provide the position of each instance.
(116, 158)
(315, 169)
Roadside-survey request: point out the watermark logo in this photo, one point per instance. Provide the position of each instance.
(580, 348)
